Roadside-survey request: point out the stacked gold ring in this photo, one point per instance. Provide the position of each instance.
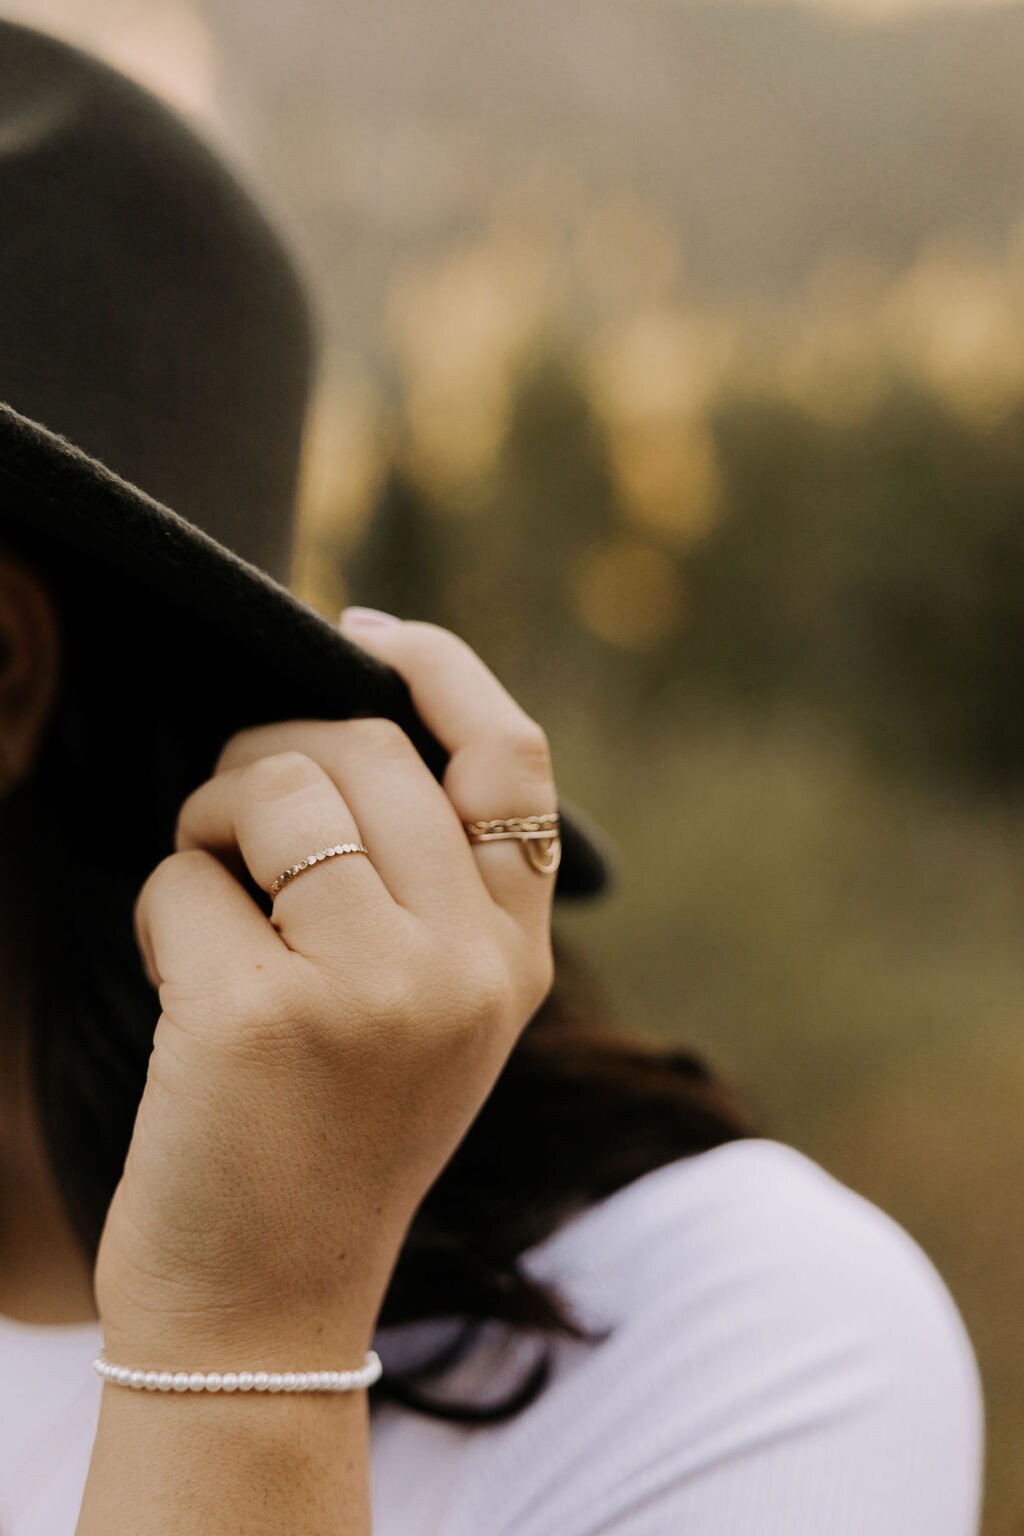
(531, 831)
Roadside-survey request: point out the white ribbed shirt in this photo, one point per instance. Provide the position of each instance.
(785, 1361)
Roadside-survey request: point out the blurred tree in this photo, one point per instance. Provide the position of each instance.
(401, 562)
(552, 496)
(870, 573)
(499, 569)
(873, 573)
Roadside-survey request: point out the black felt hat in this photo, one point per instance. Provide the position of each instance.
(156, 353)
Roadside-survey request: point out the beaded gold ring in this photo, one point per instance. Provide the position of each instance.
(321, 856)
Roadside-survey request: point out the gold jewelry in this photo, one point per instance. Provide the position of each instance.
(294, 870)
(529, 830)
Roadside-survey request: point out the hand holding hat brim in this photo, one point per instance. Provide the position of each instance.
(289, 662)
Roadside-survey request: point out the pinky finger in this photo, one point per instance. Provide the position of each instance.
(196, 927)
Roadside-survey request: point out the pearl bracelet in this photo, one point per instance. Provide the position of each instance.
(240, 1381)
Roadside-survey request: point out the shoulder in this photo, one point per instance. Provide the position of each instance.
(770, 1228)
(767, 1314)
(779, 1356)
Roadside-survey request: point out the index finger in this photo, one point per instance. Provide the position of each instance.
(499, 760)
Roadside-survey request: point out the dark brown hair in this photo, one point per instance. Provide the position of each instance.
(580, 1110)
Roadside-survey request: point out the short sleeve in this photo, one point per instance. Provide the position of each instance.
(784, 1361)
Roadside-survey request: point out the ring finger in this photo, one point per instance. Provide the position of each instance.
(275, 813)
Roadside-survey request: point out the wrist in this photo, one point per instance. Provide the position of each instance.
(182, 1462)
(210, 1342)
(158, 1327)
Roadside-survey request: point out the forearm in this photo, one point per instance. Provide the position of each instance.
(204, 1464)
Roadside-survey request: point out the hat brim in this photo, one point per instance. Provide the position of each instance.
(306, 667)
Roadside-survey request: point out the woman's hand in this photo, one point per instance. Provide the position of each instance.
(311, 1074)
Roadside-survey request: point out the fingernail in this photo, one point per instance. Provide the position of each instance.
(360, 616)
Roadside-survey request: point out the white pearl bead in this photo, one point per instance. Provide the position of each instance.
(240, 1381)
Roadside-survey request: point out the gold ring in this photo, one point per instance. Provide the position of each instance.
(294, 870)
(531, 831)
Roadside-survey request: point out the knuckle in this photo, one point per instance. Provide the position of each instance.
(469, 994)
(529, 742)
(154, 883)
(278, 775)
(164, 883)
(237, 750)
(272, 1001)
(277, 1009)
(255, 741)
(378, 735)
(435, 636)
(485, 986)
(542, 974)
(188, 814)
(434, 645)
(540, 970)
(532, 969)
(167, 876)
(393, 1000)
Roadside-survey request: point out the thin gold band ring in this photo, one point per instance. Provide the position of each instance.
(321, 856)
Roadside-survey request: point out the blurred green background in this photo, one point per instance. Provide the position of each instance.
(675, 357)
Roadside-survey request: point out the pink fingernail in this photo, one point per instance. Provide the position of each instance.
(360, 616)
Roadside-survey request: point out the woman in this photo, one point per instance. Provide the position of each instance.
(292, 1067)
